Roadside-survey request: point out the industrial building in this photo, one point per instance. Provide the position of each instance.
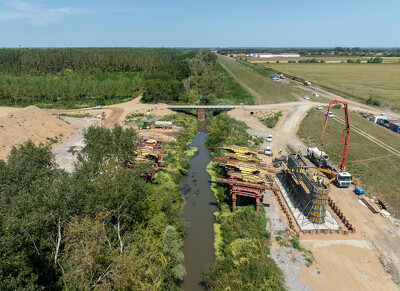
(269, 55)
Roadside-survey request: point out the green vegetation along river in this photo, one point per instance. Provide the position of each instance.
(198, 213)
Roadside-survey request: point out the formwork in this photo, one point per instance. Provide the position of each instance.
(306, 198)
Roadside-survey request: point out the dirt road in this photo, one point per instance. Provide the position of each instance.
(66, 153)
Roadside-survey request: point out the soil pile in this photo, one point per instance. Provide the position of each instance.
(18, 125)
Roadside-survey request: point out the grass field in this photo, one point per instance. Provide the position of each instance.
(378, 170)
(327, 59)
(373, 82)
(267, 90)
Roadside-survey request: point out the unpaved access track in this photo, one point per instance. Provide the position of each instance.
(368, 136)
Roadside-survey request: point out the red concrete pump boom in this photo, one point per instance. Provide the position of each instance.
(342, 157)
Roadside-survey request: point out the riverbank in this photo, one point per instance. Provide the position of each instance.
(241, 240)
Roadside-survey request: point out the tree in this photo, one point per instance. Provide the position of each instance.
(172, 249)
(88, 258)
(104, 145)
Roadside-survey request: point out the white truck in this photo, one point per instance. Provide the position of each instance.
(315, 153)
(163, 124)
(321, 159)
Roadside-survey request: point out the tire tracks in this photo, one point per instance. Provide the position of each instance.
(369, 137)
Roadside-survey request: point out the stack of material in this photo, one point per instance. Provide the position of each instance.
(371, 205)
(239, 150)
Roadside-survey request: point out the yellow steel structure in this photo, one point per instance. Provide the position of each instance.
(249, 178)
(145, 153)
(239, 150)
(245, 158)
(246, 168)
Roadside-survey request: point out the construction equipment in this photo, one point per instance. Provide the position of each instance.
(144, 125)
(163, 124)
(339, 175)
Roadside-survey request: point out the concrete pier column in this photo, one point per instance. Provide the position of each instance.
(233, 202)
(201, 114)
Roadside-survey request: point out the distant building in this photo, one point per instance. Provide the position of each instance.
(269, 55)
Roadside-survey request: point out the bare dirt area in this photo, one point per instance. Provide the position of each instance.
(67, 152)
(18, 125)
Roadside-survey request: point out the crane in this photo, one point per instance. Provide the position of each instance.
(342, 178)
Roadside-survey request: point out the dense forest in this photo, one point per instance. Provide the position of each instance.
(83, 77)
(101, 227)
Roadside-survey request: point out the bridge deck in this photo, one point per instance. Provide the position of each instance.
(208, 107)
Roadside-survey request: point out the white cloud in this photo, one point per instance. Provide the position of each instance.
(20, 5)
(36, 14)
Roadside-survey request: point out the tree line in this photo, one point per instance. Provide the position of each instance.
(70, 78)
(101, 226)
(44, 61)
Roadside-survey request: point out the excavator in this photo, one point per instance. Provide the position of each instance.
(339, 175)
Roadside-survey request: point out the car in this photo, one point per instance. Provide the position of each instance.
(97, 107)
(315, 94)
(330, 114)
(269, 138)
(306, 97)
(268, 151)
(319, 107)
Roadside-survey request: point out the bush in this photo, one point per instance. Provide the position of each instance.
(271, 121)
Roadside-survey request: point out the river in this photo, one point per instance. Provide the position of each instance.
(198, 213)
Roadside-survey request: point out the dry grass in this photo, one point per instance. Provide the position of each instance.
(361, 81)
(378, 170)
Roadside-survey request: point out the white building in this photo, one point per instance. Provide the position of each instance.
(269, 55)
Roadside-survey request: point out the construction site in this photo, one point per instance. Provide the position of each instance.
(298, 188)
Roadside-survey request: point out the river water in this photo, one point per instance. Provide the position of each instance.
(198, 213)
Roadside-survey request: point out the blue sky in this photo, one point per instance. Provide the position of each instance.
(195, 23)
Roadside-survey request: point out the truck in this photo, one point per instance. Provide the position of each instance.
(163, 124)
(315, 153)
(321, 160)
(307, 83)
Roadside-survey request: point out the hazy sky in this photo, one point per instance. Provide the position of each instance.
(195, 23)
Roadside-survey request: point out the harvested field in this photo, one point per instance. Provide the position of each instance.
(373, 82)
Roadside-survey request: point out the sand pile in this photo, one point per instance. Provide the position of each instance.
(20, 124)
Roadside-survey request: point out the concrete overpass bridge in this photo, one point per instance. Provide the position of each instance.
(201, 109)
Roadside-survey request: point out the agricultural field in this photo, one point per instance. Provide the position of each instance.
(371, 83)
(327, 59)
(265, 90)
(377, 169)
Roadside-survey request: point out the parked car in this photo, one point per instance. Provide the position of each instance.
(277, 162)
(97, 107)
(306, 97)
(268, 151)
(269, 138)
(330, 114)
(315, 94)
(319, 107)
